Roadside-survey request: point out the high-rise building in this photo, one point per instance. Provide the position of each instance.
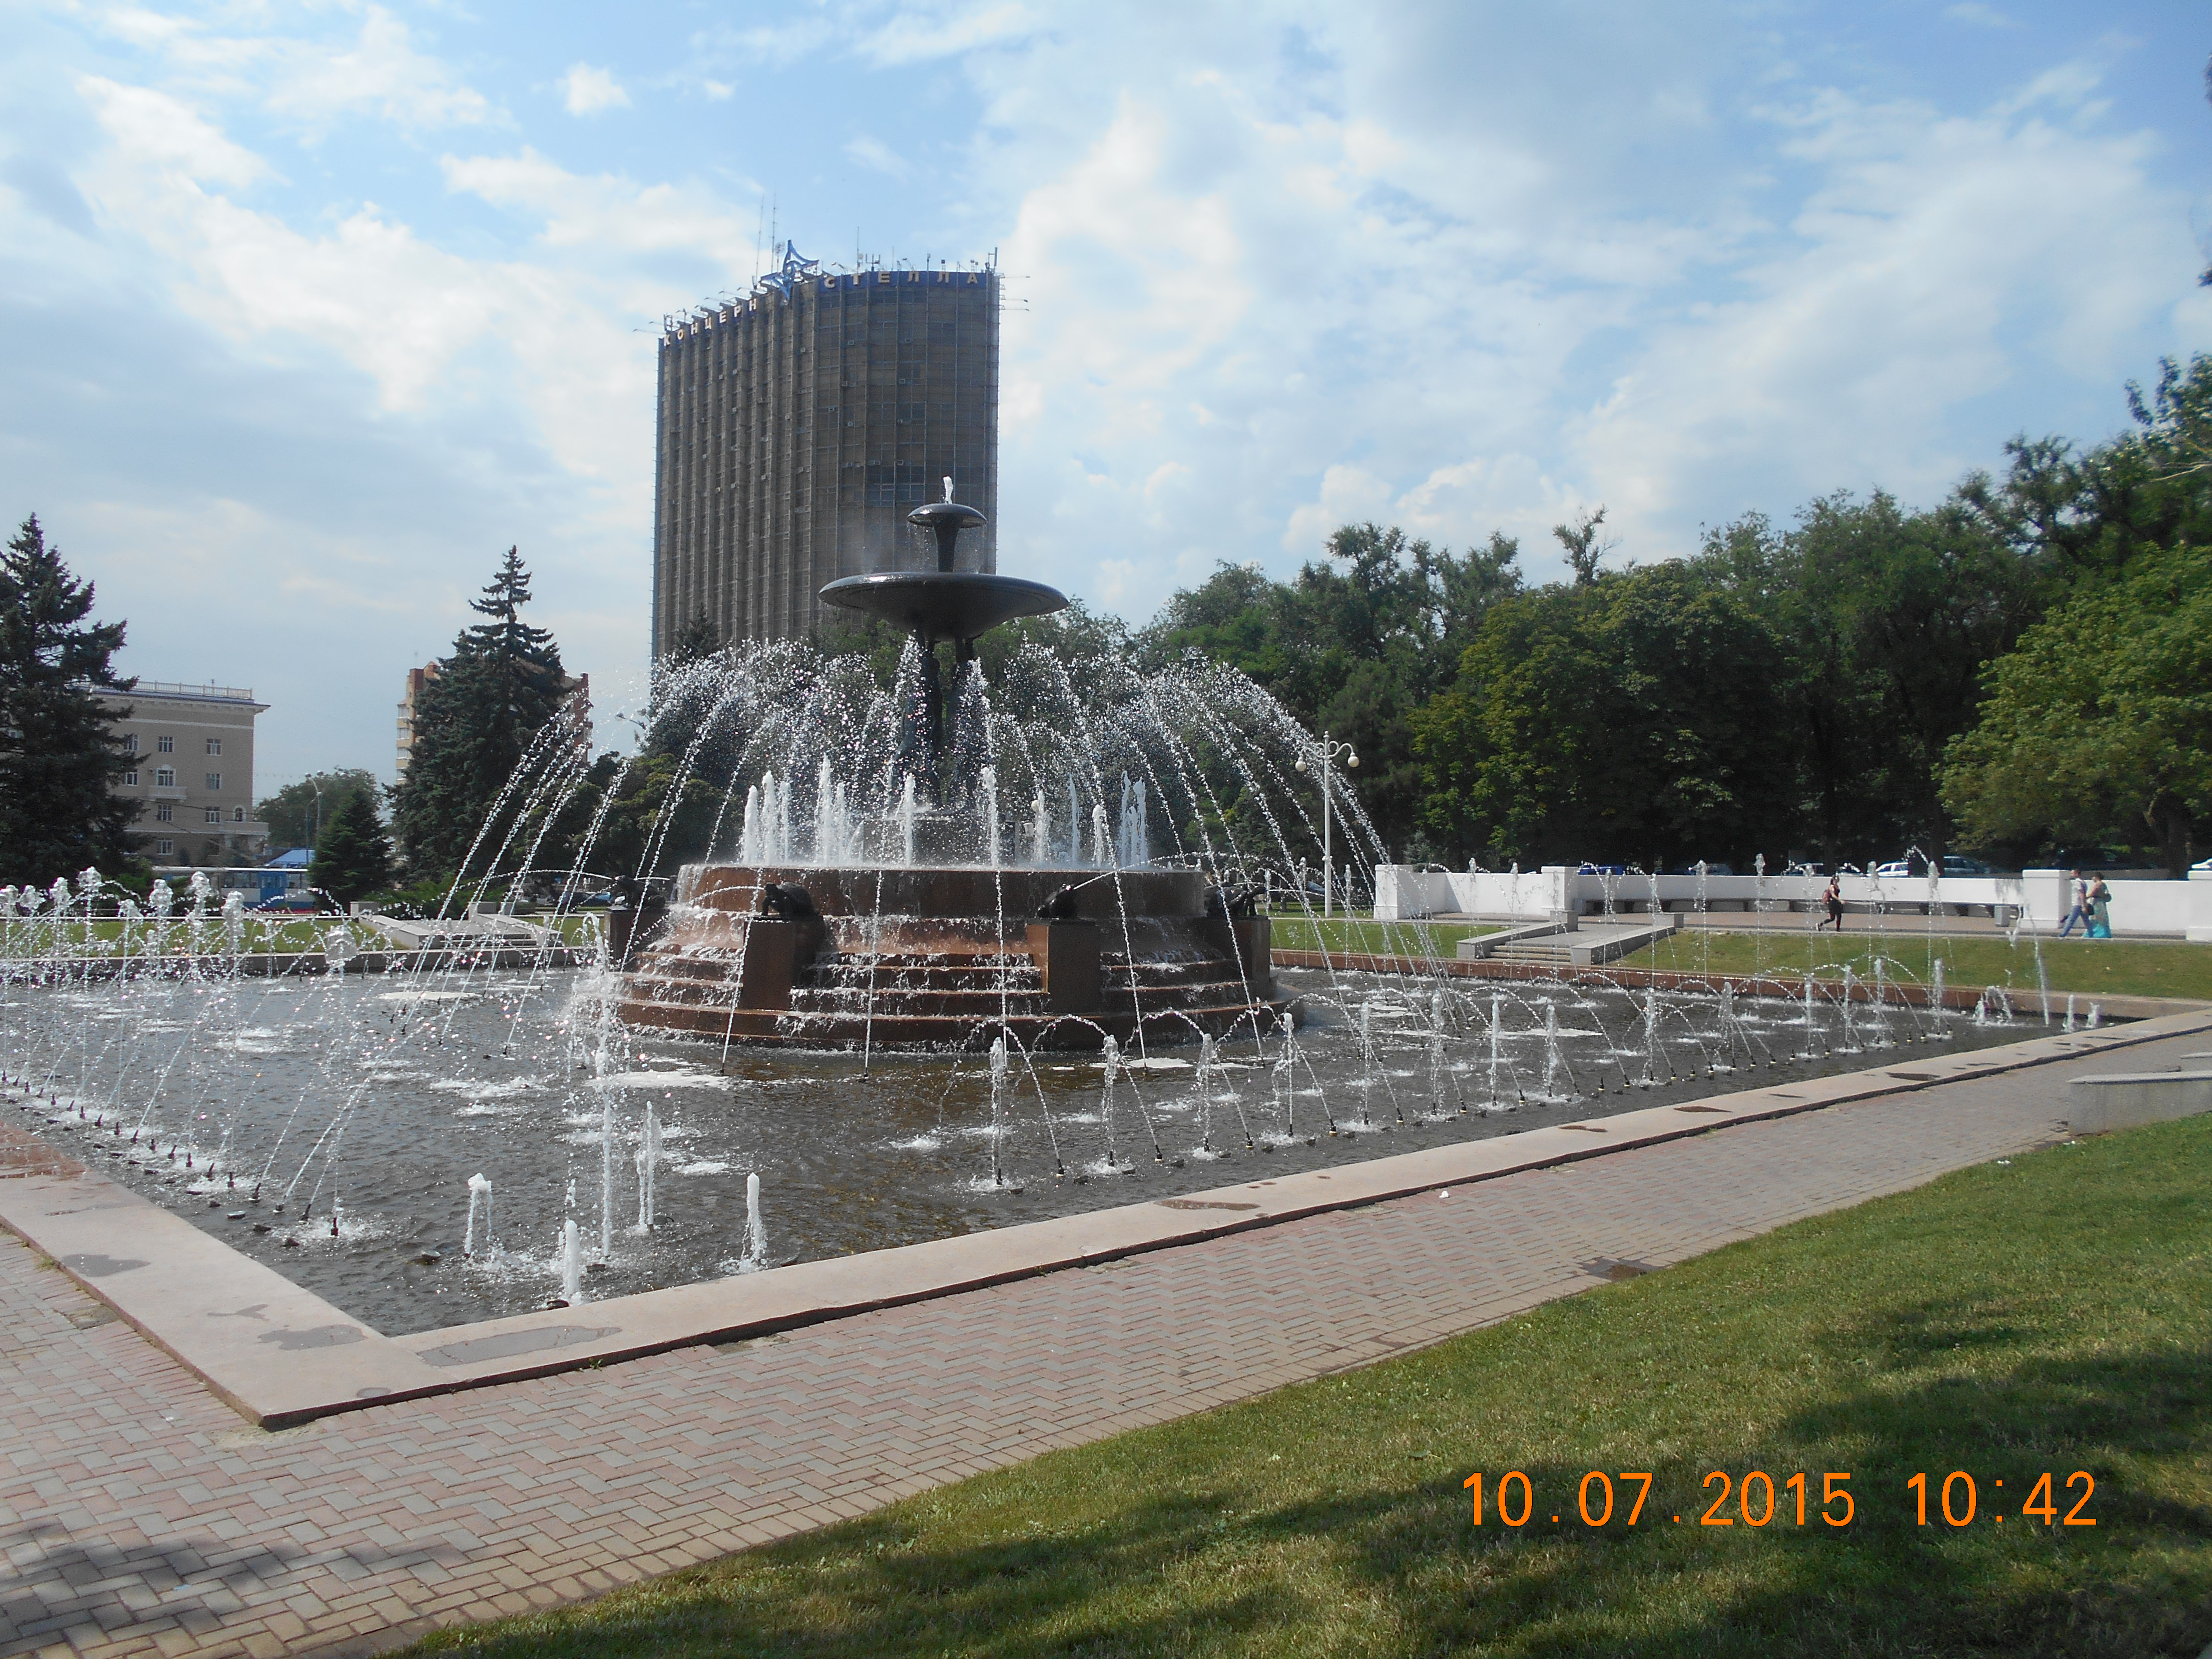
(797, 427)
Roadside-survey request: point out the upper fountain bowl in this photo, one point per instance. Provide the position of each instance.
(944, 519)
(944, 604)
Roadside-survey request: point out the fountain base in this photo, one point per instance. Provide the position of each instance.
(948, 959)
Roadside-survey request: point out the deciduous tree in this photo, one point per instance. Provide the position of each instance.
(2098, 725)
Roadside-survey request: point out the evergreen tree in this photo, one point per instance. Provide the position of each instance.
(473, 723)
(59, 754)
(697, 638)
(353, 857)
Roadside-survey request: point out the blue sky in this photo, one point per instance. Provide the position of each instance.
(310, 310)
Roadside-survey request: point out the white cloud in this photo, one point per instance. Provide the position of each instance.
(381, 71)
(415, 318)
(778, 45)
(918, 35)
(306, 81)
(606, 215)
(875, 153)
(1938, 260)
(1348, 494)
(589, 91)
(164, 136)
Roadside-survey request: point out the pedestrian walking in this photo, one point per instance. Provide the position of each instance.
(2100, 909)
(2079, 911)
(1833, 899)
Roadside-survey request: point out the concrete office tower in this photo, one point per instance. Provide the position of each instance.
(800, 424)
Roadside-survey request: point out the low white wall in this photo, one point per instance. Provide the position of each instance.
(2138, 905)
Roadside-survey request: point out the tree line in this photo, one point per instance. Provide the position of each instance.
(2020, 669)
(2023, 669)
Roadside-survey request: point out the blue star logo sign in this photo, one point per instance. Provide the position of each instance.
(793, 269)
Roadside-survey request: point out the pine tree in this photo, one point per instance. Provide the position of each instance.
(473, 722)
(697, 638)
(59, 754)
(353, 857)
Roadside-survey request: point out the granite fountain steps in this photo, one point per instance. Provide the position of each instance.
(280, 1355)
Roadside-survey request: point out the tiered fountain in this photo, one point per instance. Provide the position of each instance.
(921, 922)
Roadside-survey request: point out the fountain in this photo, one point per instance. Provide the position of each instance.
(913, 926)
(929, 954)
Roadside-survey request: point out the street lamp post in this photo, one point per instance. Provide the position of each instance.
(1329, 752)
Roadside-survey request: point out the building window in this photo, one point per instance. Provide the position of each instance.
(167, 745)
(238, 815)
(214, 815)
(215, 779)
(131, 777)
(215, 745)
(166, 848)
(164, 777)
(130, 743)
(164, 812)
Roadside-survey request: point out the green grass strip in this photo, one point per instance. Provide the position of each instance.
(2150, 968)
(1418, 940)
(2050, 1313)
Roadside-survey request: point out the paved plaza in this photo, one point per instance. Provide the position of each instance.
(140, 1514)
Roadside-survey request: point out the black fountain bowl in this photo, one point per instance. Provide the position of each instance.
(937, 513)
(944, 604)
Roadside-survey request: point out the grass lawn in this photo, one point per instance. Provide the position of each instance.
(2051, 1314)
(1418, 939)
(2150, 968)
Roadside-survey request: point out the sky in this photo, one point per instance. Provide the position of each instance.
(308, 310)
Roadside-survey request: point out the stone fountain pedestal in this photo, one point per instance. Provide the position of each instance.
(949, 958)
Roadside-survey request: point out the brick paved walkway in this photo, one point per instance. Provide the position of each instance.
(138, 1515)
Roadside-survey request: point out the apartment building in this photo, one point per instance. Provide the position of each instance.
(192, 772)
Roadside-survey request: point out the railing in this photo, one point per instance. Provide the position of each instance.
(2040, 898)
(176, 689)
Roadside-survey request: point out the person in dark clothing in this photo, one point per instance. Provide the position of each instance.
(1833, 898)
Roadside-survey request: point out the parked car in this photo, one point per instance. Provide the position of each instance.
(1954, 864)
